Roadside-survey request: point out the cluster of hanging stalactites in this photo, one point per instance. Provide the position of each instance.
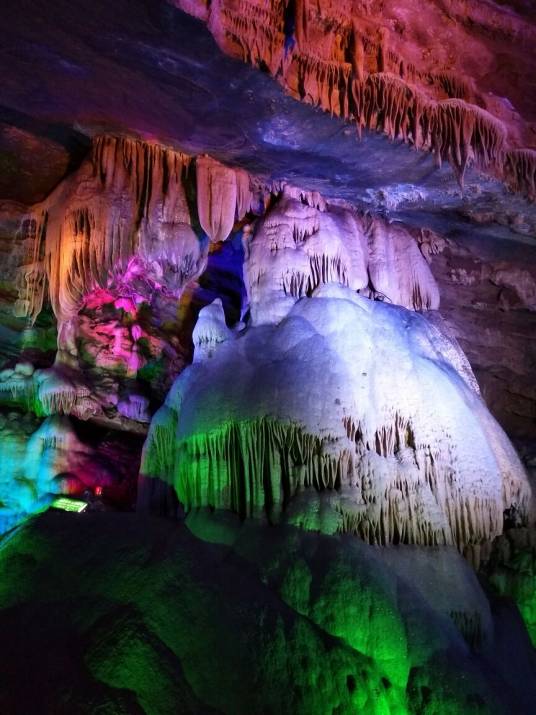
(126, 201)
(297, 247)
(326, 56)
(394, 466)
(520, 171)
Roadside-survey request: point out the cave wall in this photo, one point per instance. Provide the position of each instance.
(488, 301)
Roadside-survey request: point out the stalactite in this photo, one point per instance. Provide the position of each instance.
(324, 83)
(223, 194)
(59, 399)
(358, 54)
(17, 388)
(454, 130)
(352, 72)
(123, 203)
(397, 268)
(454, 85)
(122, 218)
(301, 23)
(244, 195)
(383, 50)
(311, 198)
(385, 102)
(520, 171)
(255, 465)
(257, 35)
(56, 390)
(461, 132)
(322, 269)
(159, 449)
(297, 247)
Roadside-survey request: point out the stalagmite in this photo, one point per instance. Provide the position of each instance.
(210, 330)
(353, 397)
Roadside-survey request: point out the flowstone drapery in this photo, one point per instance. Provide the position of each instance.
(345, 396)
(338, 406)
(301, 244)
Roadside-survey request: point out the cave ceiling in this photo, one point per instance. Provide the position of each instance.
(151, 71)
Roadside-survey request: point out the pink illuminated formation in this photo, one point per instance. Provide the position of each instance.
(342, 57)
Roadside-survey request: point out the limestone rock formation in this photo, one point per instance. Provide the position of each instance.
(351, 396)
(359, 63)
(223, 195)
(486, 303)
(126, 202)
(113, 249)
(41, 459)
(298, 246)
(210, 627)
(512, 570)
(283, 253)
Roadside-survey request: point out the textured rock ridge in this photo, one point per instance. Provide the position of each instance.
(344, 59)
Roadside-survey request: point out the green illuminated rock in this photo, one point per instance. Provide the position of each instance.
(139, 615)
